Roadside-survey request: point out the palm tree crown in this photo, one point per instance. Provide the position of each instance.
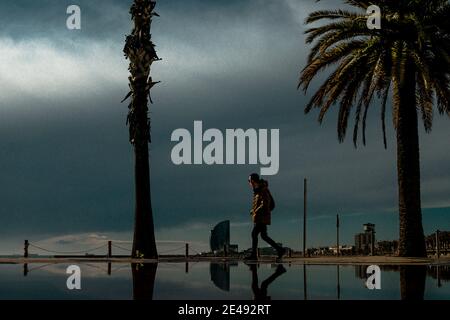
(372, 62)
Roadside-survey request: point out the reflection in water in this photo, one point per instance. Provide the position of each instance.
(143, 280)
(405, 282)
(220, 275)
(260, 292)
(440, 273)
(361, 270)
(305, 293)
(412, 282)
(338, 283)
(412, 279)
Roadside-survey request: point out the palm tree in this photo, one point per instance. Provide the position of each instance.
(140, 50)
(410, 55)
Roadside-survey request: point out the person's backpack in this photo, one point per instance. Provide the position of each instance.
(272, 201)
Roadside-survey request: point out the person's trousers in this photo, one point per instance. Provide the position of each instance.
(260, 228)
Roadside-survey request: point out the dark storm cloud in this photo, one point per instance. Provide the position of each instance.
(27, 19)
(65, 158)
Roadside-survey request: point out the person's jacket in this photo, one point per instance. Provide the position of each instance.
(262, 204)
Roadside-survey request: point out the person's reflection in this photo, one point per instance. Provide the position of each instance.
(412, 282)
(143, 280)
(260, 293)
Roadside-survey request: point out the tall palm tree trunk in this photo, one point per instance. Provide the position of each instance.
(412, 240)
(140, 50)
(144, 244)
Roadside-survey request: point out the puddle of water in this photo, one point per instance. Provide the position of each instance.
(206, 281)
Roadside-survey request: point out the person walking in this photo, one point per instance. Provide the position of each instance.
(262, 205)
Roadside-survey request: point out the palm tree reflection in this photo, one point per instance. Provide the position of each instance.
(412, 282)
(143, 280)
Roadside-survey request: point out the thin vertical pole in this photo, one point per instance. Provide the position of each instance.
(25, 249)
(187, 251)
(304, 216)
(109, 268)
(438, 253)
(109, 249)
(25, 255)
(337, 235)
(186, 267)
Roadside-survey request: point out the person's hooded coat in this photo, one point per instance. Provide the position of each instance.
(263, 204)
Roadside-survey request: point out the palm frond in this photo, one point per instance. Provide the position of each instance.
(332, 14)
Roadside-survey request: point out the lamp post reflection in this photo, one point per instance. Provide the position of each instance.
(338, 283)
(305, 293)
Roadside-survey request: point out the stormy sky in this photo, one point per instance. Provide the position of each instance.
(66, 166)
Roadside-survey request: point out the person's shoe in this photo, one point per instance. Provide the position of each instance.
(281, 253)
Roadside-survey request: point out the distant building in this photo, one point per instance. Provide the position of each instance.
(365, 242)
(369, 227)
(233, 248)
(321, 251)
(343, 250)
(219, 240)
(387, 247)
(444, 241)
(220, 236)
